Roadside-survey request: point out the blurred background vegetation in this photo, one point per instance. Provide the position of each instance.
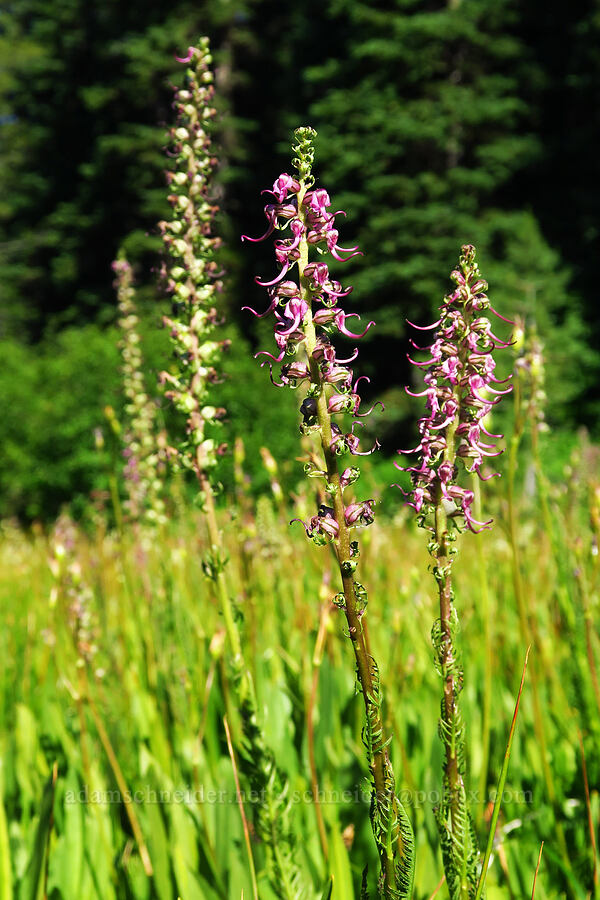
(439, 123)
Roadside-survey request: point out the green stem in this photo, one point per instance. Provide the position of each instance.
(450, 712)
(261, 760)
(380, 763)
(488, 655)
(216, 543)
(458, 826)
(122, 785)
(501, 785)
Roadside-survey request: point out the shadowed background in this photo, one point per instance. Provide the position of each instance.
(438, 123)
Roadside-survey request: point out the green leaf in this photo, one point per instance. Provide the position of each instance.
(32, 886)
(341, 873)
(501, 784)
(5, 867)
(326, 895)
(67, 861)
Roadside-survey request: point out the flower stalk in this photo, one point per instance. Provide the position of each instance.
(142, 456)
(302, 334)
(192, 278)
(461, 390)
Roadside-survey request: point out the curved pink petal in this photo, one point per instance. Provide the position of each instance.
(424, 327)
(340, 321)
(510, 321)
(335, 254)
(257, 240)
(188, 58)
(350, 359)
(279, 278)
(270, 365)
(266, 312)
(287, 329)
(270, 355)
(488, 477)
(421, 365)
(368, 413)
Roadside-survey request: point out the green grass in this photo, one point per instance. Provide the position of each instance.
(158, 694)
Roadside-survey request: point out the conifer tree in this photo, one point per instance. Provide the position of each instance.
(424, 131)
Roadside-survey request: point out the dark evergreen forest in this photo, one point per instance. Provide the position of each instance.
(439, 123)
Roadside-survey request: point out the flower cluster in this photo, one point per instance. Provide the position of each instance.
(191, 274)
(307, 312)
(71, 587)
(459, 387)
(530, 370)
(142, 456)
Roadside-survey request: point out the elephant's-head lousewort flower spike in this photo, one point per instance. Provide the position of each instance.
(192, 278)
(305, 303)
(461, 390)
(143, 456)
(192, 275)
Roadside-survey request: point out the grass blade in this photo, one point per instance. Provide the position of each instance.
(588, 807)
(537, 869)
(5, 866)
(242, 813)
(33, 884)
(501, 783)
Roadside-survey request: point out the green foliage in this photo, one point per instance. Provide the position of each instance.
(33, 884)
(57, 402)
(422, 124)
(438, 125)
(423, 130)
(56, 392)
(83, 99)
(159, 688)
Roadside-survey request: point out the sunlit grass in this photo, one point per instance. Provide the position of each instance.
(158, 686)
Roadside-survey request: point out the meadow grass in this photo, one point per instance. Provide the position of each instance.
(138, 735)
